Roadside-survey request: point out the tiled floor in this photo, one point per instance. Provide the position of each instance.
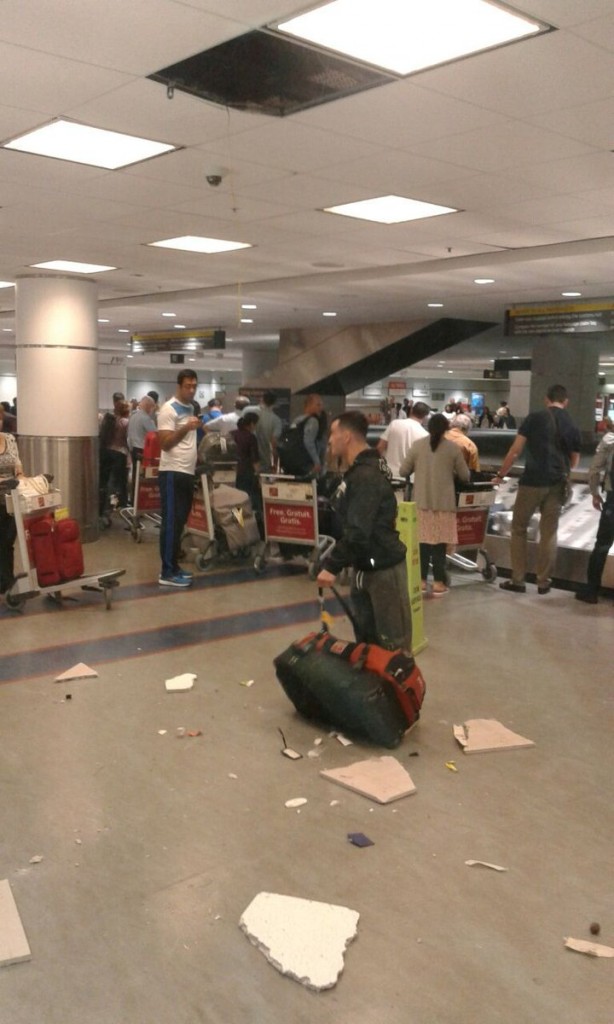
(152, 850)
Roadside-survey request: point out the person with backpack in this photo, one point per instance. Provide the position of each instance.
(603, 463)
(369, 543)
(302, 446)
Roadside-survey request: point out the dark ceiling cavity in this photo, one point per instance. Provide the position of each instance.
(268, 74)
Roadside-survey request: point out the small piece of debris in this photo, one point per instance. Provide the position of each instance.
(162, 732)
(194, 732)
(296, 801)
(451, 766)
(79, 842)
(484, 864)
(292, 754)
(335, 803)
(313, 753)
(182, 682)
(231, 775)
(359, 839)
(248, 682)
(589, 948)
(36, 859)
(180, 732)
(594, 929)
(343, 740)
(317, 741)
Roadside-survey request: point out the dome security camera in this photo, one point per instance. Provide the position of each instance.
(214, 175)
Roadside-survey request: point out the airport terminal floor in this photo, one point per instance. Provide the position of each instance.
(152, 846)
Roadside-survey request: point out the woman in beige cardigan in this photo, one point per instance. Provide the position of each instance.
(436, 463)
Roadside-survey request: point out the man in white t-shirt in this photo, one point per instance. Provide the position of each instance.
(399, 436)
(177, 426)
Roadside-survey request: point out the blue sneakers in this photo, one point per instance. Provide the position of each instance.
(184, 574)
(179, 580)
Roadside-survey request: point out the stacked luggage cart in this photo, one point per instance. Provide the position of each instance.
(473, 504)
(290, 514)
(222, 520)
(50, 552)
(146, 507)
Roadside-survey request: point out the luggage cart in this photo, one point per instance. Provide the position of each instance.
(26, 585)
(473, 503)
(146, 506)
(216, 495)
(290, 513)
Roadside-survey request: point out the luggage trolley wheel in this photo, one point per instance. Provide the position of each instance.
(137, 533)
(15, 601)
(259, 565)
(488, 569)
(205, 559)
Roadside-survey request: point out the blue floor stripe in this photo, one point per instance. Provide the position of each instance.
(53, 660)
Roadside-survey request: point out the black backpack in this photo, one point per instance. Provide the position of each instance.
(294, 459)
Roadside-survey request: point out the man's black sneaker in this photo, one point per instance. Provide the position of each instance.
(544, 588)
(516, 588)
(586, 596)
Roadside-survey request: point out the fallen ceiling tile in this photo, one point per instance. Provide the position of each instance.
(383, 779)
(483, 735)
(79, 671)
(302, 939)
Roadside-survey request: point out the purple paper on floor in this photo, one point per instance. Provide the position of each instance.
(359, 839)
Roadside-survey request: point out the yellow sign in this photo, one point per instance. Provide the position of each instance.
(407, 525)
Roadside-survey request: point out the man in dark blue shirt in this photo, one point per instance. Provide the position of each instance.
(551, 443)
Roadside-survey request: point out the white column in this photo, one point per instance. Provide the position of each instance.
(57, 371)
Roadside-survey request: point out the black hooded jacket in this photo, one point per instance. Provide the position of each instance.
(367, 508)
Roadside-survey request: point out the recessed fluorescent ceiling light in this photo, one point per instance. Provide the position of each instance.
(179, 327)
(71, 267)
(169, 314)
(7, 284)
(246, 320)
(571, 295)
(405, 37)
(329, 314)
(483, 280)
(195, 243)
(82, 144)
(390, 209)
(435, 305)
(123, 330)
(248, 305)
(104, 321)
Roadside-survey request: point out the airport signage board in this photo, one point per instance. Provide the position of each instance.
(560, 318)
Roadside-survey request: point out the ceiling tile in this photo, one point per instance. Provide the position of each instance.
(86, 31)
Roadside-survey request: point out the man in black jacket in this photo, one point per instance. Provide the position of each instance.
(367, 509)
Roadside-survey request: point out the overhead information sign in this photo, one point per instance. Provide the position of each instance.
(188, 340)
(561, 318)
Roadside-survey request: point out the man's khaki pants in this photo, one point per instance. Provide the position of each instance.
(548, 501)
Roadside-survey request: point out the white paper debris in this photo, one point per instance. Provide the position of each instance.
(313, 753)
(343, 740)
(36, 859)
(484, 864)
(317, 741)
(297, 801)
(589, 948)
(248, 682)
(183, 682)
(231, 775)
(302, 939)
(162, 732)
(335, 803)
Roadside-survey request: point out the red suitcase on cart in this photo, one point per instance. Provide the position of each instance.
(67, 540)
(151, 448)
(43, 550)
